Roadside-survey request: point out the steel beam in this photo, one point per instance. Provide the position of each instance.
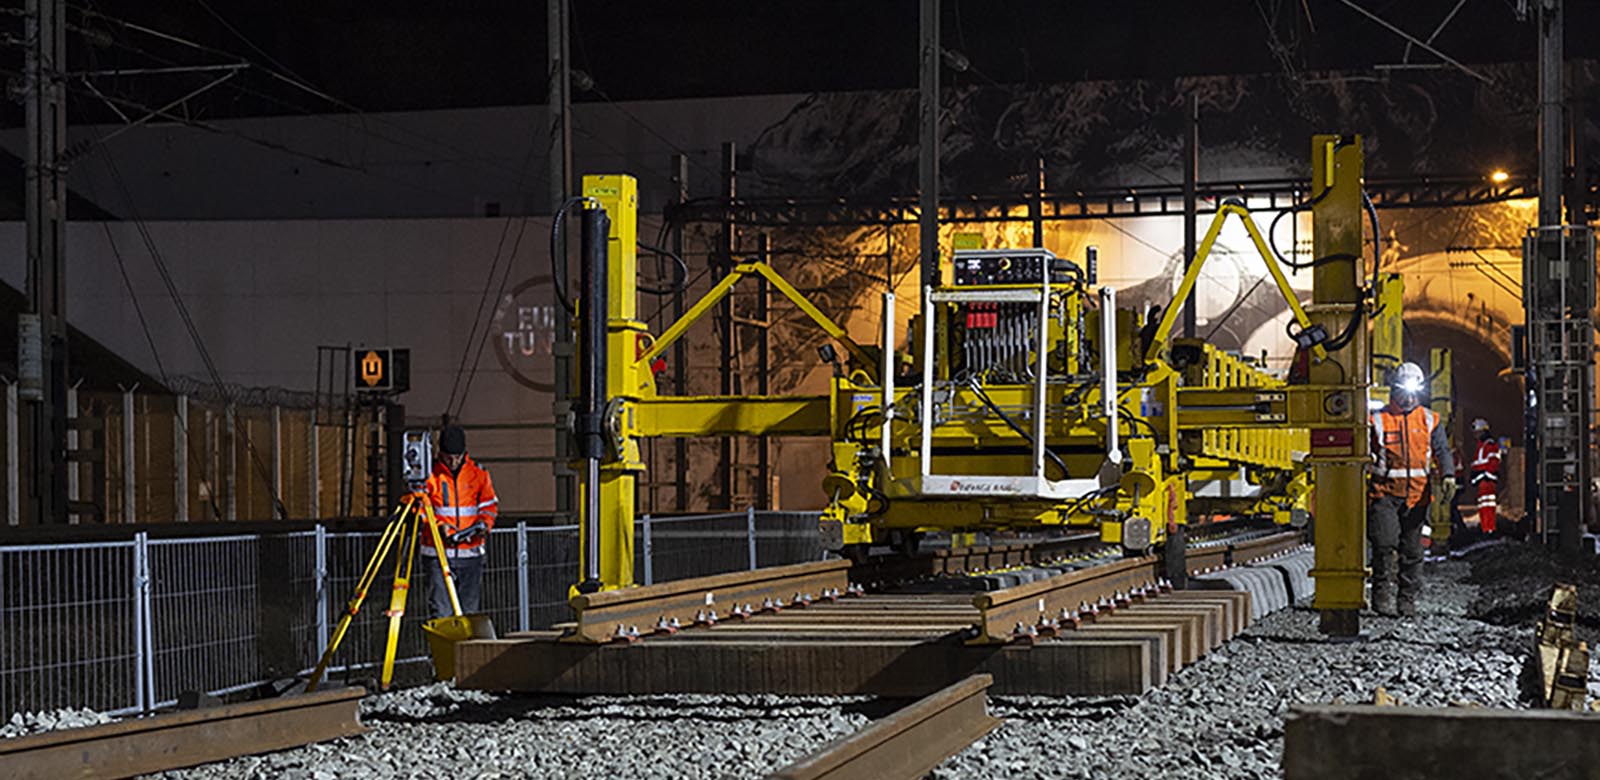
(149, 745)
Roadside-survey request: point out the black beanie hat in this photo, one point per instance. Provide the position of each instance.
(453, 441)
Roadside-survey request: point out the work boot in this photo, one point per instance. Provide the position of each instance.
(1407, 604)
(1383, 601)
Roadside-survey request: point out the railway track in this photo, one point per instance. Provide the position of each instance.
(1055, 581)
(1095, 623)
(1089, 624)
(908, 743)
(182, 739)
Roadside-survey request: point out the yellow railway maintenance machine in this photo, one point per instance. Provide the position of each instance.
(1028, 399)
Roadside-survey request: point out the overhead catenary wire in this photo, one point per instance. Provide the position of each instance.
(194, 333)
(366, 119)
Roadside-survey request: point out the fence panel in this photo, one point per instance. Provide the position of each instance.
(226, 613)
(69, 630)
(499, 596)
(363, 645)
(552, 569)
(230, 612)
(695, 546)
(783, 538)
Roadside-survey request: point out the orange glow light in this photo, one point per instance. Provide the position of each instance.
(1499, 177)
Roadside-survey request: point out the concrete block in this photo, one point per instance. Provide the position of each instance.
(1268, 592)
(1363, 742)
(1296, 572)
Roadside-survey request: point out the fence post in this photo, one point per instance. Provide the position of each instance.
(649, 551)
(144, 625)
(230, 476)
(72, 447)
(313, 468)
(277, 463)
(13, 471)
(322, 587)
(522, 576)
(750, 532)
(180, 459)
(129, 454)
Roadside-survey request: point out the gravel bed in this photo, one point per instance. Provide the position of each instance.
(1223, 717)
(1520, 576)
(438, 731)
(24, 723)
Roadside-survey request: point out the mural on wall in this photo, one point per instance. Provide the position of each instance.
(1129, 133)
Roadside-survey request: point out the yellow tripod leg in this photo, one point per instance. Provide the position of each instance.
(444, 561)
(391, 532)
(397, 601)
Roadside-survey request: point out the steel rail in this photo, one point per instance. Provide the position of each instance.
(630, 612)
(182, 739)
(908, 743)
(1001, 611)
(1233, 553)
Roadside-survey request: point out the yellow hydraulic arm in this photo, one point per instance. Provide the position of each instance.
(1186, 288)
(721, 290)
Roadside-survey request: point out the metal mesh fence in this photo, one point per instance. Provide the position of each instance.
(129, 626)
(500, 591)
(783, 538)
(694, 546)
(70, 635)
(363, 645)
(552, 568)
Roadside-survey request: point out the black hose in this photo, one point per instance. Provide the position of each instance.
(682, 275)
(989, 402)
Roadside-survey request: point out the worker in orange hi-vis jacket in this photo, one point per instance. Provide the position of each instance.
(1486, 473)
(1406, 439)
(464, 501)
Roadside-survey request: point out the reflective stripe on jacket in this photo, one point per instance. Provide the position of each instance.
(1405, 442)
(459, 500)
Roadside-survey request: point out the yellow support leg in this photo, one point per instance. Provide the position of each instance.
(391, 532)
(397, 599)
(1336, 292)
(616, 527)
(444, 560)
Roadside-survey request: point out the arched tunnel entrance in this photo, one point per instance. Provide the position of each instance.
(1483, 386)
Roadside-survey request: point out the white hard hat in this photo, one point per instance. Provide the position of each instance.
(1408, 377)
(1479, 425)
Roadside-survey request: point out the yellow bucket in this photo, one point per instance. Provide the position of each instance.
(443, 634)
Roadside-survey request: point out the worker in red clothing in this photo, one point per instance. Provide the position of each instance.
(1406, 436)
(1486, 474)
(463, 499)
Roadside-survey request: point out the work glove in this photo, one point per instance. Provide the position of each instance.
(469, 533)
(1449, 488)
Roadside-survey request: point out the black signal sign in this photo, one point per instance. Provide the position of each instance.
(381, 369)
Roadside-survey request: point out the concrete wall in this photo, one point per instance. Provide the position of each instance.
(416, 164)
(265, 295)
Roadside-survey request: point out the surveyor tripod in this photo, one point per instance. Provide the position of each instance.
(401, 532)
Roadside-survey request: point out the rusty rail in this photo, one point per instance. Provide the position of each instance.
(1218, 555)
(1001, 611)
(907, 744)
(636, 611)
(183, 739)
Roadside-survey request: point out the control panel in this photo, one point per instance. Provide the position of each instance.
(986, 267)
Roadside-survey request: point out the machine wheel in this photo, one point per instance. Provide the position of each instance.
(905, 543)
